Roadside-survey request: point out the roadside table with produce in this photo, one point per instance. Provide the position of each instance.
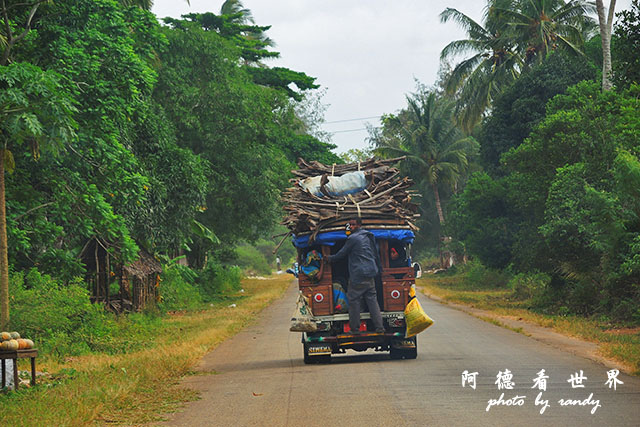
(12, 347)
(31, 353)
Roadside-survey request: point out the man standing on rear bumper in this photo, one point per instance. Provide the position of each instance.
(364, 266)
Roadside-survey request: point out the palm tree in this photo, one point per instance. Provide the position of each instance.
(605, 34)
(493, 65)
(514, 33)
(232, 7)
(242, 15)
(437, 152)
(539, 27)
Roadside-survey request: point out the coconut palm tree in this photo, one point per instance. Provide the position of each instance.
(232, 7)
(437, 152)
(605, 24)
(539, 27)
(493, 65)
(244, 16)
(513, 34)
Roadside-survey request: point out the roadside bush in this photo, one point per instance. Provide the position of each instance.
(478, 276)
(252, 260)
(178, 289)
(59, 318)
(529, 285)
(217, 279)
(62, 321)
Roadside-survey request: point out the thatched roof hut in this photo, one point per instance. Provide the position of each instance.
(138, 280)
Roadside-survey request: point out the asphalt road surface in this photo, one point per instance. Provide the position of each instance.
(259, 378)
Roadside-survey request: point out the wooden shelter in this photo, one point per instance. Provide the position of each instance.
(138, 281)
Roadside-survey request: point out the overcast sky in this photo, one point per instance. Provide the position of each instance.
(366, 53)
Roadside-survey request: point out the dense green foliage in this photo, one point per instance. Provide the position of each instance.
(61, 319)
(438, 154)
(554, 210)
(118, 132)
(521, 106)
(568, 203)
(178, 137)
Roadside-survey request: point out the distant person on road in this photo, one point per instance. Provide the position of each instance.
(364, 266)
(278, 264)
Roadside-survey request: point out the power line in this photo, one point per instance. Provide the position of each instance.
(351, 130)
(352, 120)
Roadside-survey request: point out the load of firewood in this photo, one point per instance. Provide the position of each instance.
(325, 197)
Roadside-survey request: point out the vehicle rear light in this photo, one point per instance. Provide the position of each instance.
(363, 326)
(395, 294)
(318, 297)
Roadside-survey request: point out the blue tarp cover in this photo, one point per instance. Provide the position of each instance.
(330, 238)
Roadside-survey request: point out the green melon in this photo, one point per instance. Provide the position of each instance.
(14, 335)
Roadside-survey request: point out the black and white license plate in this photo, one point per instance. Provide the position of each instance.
(319, 349)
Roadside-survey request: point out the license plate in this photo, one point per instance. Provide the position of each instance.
(404, 344)
(320, 349)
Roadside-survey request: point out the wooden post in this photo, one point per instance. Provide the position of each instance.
(33, 371)
(107, 273)
(16, 381)
(97, 272)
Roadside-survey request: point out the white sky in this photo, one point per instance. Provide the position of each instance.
(366, 53)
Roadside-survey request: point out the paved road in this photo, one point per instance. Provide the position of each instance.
(259, 378)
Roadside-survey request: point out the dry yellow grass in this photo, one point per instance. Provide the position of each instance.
(133, 388)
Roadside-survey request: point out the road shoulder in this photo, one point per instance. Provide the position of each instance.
(576, 346)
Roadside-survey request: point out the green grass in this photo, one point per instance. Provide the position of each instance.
(616, 341)
(136, 387)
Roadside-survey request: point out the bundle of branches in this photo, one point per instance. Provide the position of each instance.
(384, 203)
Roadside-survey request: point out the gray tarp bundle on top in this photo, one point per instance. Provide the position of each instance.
(349, 183)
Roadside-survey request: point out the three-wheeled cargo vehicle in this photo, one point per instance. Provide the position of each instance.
(322, 289)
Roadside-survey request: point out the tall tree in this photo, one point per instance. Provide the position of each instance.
(539, 27)
(437, 151)
(605, 24)
(626, 61)
(513, 34)
(521, 106)
(35, 112)
(16, 24)
(494, 63)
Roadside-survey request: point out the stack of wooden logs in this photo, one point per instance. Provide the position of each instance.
(386, 203)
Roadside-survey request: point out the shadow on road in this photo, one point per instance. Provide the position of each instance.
(287, 363)
(360, 358)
